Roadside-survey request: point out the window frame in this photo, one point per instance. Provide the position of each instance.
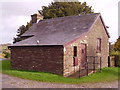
(98, 46)
(75, 51)
(75, 59)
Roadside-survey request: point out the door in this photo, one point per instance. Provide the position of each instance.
(83, 55)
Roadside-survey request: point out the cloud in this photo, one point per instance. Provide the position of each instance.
(109, 12)
(19, 8)
(15, 14)
(10, 26)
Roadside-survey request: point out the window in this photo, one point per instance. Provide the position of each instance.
(75, 59)
(98, 44)
(75, 51)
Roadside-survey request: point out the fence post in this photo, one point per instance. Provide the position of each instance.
(100, 63)
(74, 69)
(79, 71)
(94, 64)
(108, 61)
(87, 68)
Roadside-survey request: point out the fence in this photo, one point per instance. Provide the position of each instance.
(93, 64)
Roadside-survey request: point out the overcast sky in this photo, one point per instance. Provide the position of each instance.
(14, 14)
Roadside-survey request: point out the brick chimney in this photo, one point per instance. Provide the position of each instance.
(36, 17)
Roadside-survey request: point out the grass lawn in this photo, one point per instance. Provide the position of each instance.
(107, 75)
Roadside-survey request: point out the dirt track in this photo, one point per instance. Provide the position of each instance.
(14, 82)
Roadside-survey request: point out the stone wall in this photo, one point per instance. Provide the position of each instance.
(38, 58)
(90, 39)
(59, 60)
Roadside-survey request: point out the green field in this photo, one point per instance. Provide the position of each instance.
(107, 75)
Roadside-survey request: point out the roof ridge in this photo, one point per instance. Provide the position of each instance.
(59, 30)
(69, 16)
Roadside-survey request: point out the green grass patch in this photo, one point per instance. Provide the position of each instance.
(106, 75)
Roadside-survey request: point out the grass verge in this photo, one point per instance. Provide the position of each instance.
(107, 75)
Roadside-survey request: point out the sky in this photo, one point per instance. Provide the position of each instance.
(14, 13)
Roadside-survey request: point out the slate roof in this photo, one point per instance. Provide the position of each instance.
(58, 31)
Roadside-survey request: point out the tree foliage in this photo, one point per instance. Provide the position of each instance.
(6, 54)
(61, 9)
(117, 45)
(57, 9)
(116, 48)
(22, 29)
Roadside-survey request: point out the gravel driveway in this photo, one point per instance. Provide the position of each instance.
(14, 82)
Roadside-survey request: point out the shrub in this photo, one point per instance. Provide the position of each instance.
(118, 61)
(6, 53)
(114, 53)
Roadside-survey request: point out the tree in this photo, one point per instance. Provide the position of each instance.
(116, 48)
(61, 9)
(22, 29)
(117, 45)
(6, 54)
(57, 9)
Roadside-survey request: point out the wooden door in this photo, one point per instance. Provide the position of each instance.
(83, 55)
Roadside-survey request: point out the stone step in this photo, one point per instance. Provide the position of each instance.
(82, 73)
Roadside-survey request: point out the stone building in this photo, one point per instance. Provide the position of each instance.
(60, 45)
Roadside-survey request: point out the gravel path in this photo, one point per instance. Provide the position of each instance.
(14, 82)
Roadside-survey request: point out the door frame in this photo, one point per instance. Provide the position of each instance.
(81, 61)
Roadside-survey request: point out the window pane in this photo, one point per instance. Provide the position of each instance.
(75, 50)
(75, 61)
(98, 44)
